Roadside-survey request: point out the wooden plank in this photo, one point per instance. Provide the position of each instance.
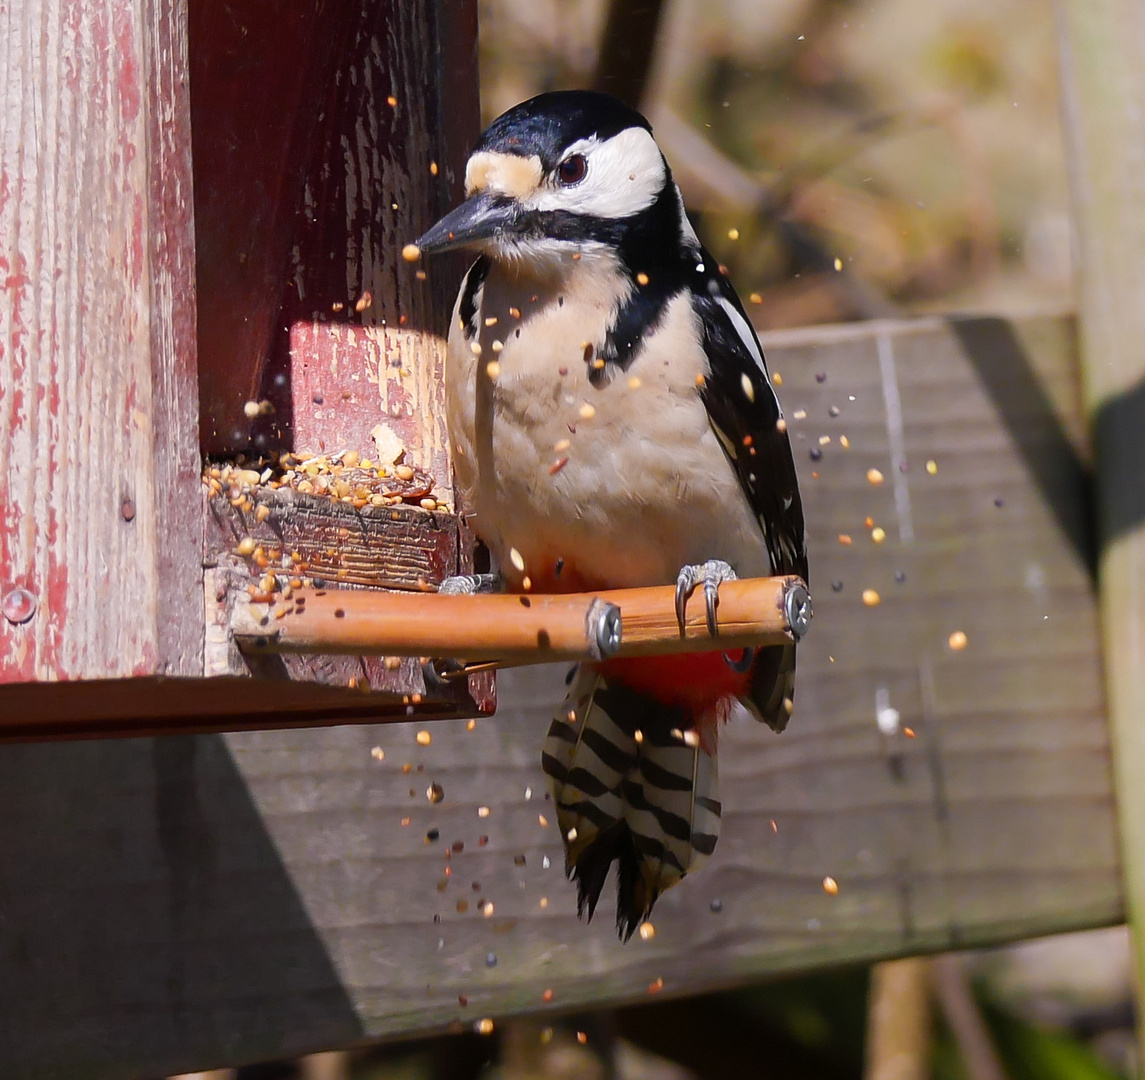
(97, 387)
(1103, 93)
(193, 902)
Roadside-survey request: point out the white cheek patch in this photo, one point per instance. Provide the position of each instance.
(507, 174)
(625, 175)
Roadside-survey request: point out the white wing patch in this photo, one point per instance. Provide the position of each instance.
(625, 175)
(746, 334)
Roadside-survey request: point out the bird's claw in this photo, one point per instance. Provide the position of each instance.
(710, 574)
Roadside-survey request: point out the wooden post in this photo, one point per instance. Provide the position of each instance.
(100, 519)
(1103, 88)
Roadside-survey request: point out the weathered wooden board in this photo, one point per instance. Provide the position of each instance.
(190, 902)
(99, 519)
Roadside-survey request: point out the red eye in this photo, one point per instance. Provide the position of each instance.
(572, 170)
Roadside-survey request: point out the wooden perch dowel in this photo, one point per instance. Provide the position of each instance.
(523, 629)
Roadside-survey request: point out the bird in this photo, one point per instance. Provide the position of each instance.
(613, 424)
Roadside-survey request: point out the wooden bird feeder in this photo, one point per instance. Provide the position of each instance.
(271, 330)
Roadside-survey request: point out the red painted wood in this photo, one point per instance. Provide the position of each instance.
(97, 381)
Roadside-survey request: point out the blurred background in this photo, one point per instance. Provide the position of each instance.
(845, 159)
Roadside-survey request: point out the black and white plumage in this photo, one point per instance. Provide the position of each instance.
(612, 421)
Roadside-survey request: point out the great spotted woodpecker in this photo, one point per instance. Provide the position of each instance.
(613, 424)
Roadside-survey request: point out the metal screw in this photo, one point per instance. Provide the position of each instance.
(797, 608)
(18, 606)
(603, 624)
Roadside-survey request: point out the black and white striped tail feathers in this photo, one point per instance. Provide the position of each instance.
(631, 789)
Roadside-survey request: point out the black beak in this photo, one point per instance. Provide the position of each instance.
(480, 217)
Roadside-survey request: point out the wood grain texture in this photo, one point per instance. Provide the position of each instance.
(366, 329)
(1103, 97)
(195, 902)
(97, 383)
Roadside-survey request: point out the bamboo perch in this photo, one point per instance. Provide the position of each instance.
(514, 629)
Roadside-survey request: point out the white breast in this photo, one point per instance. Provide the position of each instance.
(645, 488)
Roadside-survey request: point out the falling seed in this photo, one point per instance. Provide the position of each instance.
(432, 835)
(487, 909)
(543, 902)
(776, 378)
(482, 811)
(647, 931)
(493, 369)
(747, 387)
(800, 414)
(932, 468)
(528, 792)
(833, 411)
(411, 253)
(958, 641)
(871, 598)
(700, 380)
(571, 835)
(491, 320)
(391, 101)
(251, 410)
(878, 534)
(691, 739)
(471, 725)
(517, 559)
(435, 793)
(546, 997)
(656, 986)
(634, 382)
(900, 576)
(475, 348)
(774, 826)
(378, 754)
(755, 298)
(515, 312)
(561, 445)
(526, 583)
(545, 863)
(874, 477)
(557, 465)
(781, 426)
(638, 736)
(824, 440)
(641, 279)
(424, 738)
(717, 905)
(433, 168)
(844, 442)
(484, 1026)
(815, 454)
(496, 345)
(845, 539)
(586, 411)
(364, 301)
(830, 886)
(582, 1037)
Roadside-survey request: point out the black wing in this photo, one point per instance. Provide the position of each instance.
(744, 413)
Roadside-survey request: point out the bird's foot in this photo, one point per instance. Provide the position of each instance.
(709, 574)
(470, 584)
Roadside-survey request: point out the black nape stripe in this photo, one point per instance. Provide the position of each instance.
(467, 307)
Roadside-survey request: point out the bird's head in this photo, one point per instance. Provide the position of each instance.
(565, 173)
